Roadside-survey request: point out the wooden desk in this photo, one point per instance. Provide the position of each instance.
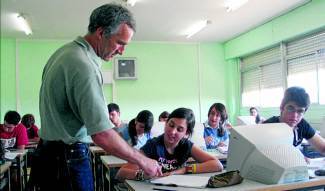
(247, 184)
(20, 164)
(110, 163)
(5, 176)
(96, 152)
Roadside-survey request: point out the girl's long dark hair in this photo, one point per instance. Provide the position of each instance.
(219, 107)
(257, 118)
(145, 117)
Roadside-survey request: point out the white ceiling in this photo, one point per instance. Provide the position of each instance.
(157, 20)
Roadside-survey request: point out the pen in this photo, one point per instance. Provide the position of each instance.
(163, 189)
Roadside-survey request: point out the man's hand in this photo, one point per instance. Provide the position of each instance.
(151, 168)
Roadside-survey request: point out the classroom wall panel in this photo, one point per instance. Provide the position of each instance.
(212, 78)
(168, 76)
(7, 76)
(32, 56)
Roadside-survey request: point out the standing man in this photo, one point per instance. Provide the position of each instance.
(72, 106)
(294, 105)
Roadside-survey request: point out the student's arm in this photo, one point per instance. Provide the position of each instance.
(318, 143)
(111, 142)
(205, 162)
(21, 147)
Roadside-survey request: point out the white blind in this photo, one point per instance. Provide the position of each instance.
(271, 76)
(251, 80)
(306, 62)
(261, 73)
(307, 45)
(265, 57)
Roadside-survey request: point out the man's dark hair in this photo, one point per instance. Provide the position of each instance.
(12, 117)
(113, 107)
(297, 95)
(110, 17)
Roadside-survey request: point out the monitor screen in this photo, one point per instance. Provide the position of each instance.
(245, 120)
(265, 153)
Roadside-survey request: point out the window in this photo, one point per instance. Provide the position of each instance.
(263, 78)
(306, 64)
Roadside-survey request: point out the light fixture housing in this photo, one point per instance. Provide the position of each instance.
(232, 5)
(130, 2)
(23, 24)
(195, 28)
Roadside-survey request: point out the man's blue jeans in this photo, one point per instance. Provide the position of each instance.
(58, 166)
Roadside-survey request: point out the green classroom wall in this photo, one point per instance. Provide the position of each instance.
(7, 76)
(302, 20)
(170, 75)
(167, 76)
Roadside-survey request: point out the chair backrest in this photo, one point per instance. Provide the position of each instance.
(157, 128)
(197, 136)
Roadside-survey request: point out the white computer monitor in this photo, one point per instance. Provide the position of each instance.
(264, 153)
(322, 128)
(158, 128)
(197, 136)
(246, 120)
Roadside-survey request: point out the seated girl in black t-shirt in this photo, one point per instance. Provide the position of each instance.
(172, 150)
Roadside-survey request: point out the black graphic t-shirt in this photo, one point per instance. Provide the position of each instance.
(155, 149)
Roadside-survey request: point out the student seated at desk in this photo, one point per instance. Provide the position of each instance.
(253, 111)
(28, 121)
(138, 131)
(163, 116)
(216, 128)
(12, 134)
(114, 116)
(172, 150)
(294, 105)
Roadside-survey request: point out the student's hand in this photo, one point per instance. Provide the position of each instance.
(151, 168)
(209, 139)
(221, 144)
(228, 125)
(307, 160)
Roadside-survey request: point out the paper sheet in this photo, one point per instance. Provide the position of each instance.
(183, 181)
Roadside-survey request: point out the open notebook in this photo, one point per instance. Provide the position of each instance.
(182, 180)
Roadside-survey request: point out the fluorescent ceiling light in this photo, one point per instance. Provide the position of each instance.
(130, 2)
(232, 5)
(195, 28)
(23, 24)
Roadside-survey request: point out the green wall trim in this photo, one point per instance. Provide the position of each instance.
(302, 20)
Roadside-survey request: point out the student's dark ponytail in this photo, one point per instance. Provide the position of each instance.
(257, 119)
(133, 132)
(145, 117)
